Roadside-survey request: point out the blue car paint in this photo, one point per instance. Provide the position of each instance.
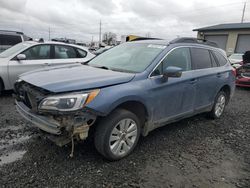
(74, 78)
(164, 100)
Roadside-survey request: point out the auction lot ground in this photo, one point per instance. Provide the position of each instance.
(195, 152)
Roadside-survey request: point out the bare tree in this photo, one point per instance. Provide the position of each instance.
(109, 38)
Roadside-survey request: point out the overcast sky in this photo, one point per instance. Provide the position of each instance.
(80, 18)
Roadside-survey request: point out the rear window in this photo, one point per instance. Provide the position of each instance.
(221, 59)
(10, 40)
(200, 58)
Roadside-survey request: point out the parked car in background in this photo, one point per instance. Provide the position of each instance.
(30, 55)
(243, 72)
(236, 60)
(11, 38)
(126, 92)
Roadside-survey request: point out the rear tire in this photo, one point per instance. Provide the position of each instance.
(219, 105)
(117, 134)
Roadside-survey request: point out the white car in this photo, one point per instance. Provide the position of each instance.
(235, 58)
(30, 55)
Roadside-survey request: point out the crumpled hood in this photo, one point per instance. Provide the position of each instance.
(75, 77)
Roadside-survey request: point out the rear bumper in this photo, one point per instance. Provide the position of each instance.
(43, 123)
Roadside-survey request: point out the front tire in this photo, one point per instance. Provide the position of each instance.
(117, 134)
(219, 105)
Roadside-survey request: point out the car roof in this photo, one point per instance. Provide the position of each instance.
(8, 32)
(153, 41)
(54, 42)
(168, 43)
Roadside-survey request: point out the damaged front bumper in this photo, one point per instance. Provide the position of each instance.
(61, 128)
(43, 123)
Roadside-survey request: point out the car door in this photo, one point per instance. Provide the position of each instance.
(64, 55)
(206, 71)
(173, 97)
(37, 57)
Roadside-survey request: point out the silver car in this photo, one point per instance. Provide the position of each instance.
(30, 55)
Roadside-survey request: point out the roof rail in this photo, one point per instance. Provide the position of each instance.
(194, 40)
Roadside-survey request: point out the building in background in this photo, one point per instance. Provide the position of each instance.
(233, 37)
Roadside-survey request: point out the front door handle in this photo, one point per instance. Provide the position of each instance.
(193, 81)
(46, 64)
(218, 75)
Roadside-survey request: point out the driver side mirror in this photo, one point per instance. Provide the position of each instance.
(172, 71)
(21, 57)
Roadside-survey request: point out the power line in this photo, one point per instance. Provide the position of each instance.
(209, 7)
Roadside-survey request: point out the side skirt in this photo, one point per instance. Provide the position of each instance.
(149, 126)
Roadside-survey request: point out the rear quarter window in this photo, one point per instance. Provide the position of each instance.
(81, 53)
(214, 62)
(220, 58)
(200, 58)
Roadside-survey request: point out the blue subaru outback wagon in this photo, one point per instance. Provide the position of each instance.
(127, 92)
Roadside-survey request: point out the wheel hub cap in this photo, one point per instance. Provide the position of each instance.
(123, 137)
(220, 105)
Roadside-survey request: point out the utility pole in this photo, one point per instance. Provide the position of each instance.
(49, 33)
(243, 12)
(100, 33)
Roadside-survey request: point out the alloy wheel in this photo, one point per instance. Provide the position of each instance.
(123, 137)
(220, 105)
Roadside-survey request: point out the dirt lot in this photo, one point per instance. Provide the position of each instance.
(196, 152)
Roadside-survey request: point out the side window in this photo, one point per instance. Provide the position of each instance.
(38, 52)
(179, 57)
(214, 64)
(221, 59)
(200, 58)
(81, 53)
(64, 52)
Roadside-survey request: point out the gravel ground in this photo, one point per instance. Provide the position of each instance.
(195, 152)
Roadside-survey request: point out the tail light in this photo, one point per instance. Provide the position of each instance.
(234, 71)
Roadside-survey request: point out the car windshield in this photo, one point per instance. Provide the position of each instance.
(128, 57)
(236, 56)
(14, 49)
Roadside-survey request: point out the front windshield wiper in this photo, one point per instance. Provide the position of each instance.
(122, 70)
(102, 67)
(111, 68)
(85, 63)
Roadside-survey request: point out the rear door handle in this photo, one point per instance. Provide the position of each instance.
(46, 64)
(193, 81)
(218, 75)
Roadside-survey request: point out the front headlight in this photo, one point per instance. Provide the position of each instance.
(68, 102)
